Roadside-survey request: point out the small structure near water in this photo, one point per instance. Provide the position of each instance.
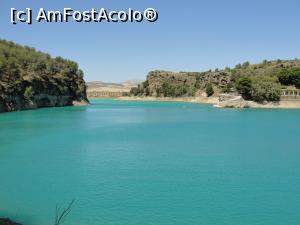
(229, 97)
(291, 94)
(288, 94)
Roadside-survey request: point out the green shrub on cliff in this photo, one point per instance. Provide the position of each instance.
(180, 90)
(168, 90)
(209, 90)
(134, 91)
(28, 94)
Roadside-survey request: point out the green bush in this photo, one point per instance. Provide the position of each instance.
(158, 92)
(135, 91)
(244, 87)
(28, 94)
(209, 90)
(238, 66)
(290, 77)
(246, 64)
(227, 88)
(266, 89)
(147, 91)
(168, 90)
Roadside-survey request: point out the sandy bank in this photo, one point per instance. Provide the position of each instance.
(225, 104)
(205, 100)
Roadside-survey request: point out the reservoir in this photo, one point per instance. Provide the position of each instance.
(151, 163)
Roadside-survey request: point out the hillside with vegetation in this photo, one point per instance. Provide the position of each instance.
(99, 89)
(32, 79)
(258, 82)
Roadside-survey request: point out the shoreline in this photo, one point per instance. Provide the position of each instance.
(241, 103)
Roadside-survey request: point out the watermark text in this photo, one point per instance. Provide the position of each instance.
(68, 14)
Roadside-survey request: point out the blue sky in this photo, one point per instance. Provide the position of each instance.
(190, 35)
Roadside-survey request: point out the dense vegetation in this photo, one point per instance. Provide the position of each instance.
(29, 78)
(259, 89)
(258, 82)
(168, 84)
(209, 90)
(290, 76)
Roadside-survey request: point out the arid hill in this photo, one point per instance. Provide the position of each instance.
(98, 89)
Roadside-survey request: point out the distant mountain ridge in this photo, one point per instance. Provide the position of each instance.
(99, 89)
(130, 83)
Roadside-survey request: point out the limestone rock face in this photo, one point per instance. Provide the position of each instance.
(157, 78)
(16, 103)
(192, 81)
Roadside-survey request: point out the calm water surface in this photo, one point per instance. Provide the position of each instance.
(135, 163)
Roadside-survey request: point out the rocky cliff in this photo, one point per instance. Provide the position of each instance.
(32, 79)
(195, 80)
(171, 84)
(278, 73)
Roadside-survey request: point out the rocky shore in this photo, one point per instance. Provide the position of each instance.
(267, 105)
(238, 103)
(204, 100)
(16, 103)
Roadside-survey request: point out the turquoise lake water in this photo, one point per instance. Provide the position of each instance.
(138, 163)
